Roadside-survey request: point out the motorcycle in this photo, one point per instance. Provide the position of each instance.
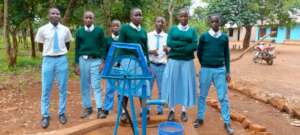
(264, 53)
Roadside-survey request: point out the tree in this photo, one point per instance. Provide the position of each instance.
(244, 13)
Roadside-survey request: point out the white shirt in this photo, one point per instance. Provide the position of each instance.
(183, 28)
(45, 35)
(152, 45)
(138, 28)
(89, 29)
(114, 37)
(215, 34)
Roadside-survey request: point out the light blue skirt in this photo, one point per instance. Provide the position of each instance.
(179, 83)
(135, 86)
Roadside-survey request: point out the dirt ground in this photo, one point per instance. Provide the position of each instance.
(20, 100)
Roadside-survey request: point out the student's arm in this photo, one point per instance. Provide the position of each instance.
(227, 56)
(191, 47)
(200, 48)
(39, 38)
(146, 50)
(103, 44)
(77, 47)
(41, 47)
(174, 43)
(68, 46)
(122, 35)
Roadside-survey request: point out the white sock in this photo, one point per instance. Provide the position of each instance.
(183, 109)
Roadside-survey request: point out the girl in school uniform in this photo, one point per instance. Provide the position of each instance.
(133, 33)
(179, 83)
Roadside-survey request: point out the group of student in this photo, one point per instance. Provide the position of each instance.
(170, 58)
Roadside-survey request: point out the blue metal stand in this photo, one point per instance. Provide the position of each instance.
(127, 77)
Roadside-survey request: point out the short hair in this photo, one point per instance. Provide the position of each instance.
(133, 9)
(53, 8)
(116, 21)
(214, 14)
(160, 17)
(88, 11)
(183, 10)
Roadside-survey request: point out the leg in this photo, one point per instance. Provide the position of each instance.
(96, 81)
(159, 85)
(47, 81)
(84, 82)
(205, 82)
(62, 79)
(220, 83)
(109, 95)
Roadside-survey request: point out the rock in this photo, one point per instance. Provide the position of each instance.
(257, 127)
(263, 97)
(296, 112)
(278, 102)
(260, 133)
(237, 116)
(246, 123)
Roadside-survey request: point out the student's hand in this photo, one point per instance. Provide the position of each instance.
(77, 70)
(228, 78)
(154, 52)
(166, 49)
(101, 66)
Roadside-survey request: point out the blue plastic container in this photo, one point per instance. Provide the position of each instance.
(170, 128)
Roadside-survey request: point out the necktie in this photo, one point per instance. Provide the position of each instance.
(157, 41)
(55, 41)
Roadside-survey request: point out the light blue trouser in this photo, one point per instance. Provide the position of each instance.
(218, 77)
(90, 79)
(157, 71)
(54, 68)
(110, 90)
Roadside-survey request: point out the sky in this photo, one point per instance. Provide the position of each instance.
(195, 4)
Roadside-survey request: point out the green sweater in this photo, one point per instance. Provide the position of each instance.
(90, 43)
(214, 52)
(182, 43)
(131, 35)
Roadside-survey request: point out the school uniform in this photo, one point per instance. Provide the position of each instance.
(130, 33)
(179, 76)
(89, 54)
(111, 83)
(157, 41)
(213, 54)
(55, 64)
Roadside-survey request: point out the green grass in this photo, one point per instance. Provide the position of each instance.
(25, 63)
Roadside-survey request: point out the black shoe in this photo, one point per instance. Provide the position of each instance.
(104, 114)
(86, 112)
(45, 122)
(184, 117)
(101, 114)
(171, 116)
(198, 123)
(63, 118)
(228, 129)
(123, 117)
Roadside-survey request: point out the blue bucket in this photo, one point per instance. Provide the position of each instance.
(170, 128)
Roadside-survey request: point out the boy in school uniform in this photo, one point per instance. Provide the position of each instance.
(54, 42)
(89, 58)
(214, 56)
(110, 84)
(157, 45)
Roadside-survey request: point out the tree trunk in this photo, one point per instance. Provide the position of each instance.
(247, 37)
(33, 55)
(106, 7)
(170, 11)
(13, 49)
(5, 14)
(68, 11)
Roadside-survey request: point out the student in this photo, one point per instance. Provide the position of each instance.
(133, 33)
(89, 58)
(110, 84)
(179, 76)
(157, 45)
(54, 42)
(213, 54)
